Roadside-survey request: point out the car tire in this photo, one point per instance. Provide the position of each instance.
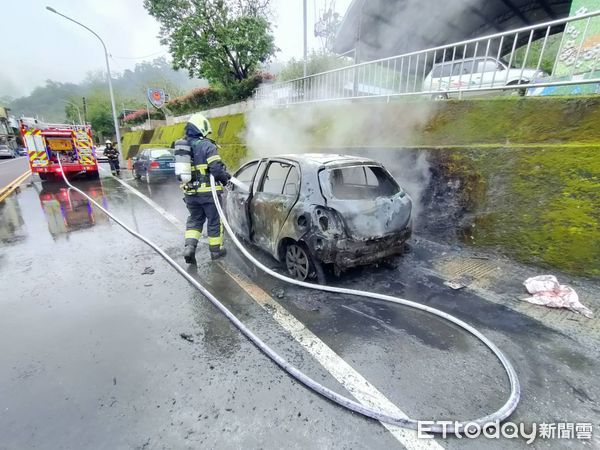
(301, 265)
(521, 92)
(136, 175)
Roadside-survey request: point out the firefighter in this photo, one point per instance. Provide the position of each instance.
(112, 154)
(196, 158)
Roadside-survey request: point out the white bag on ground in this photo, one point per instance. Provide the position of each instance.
(546, 291)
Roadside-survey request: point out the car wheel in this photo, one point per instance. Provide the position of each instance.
(521, 92)
(136, 175)
(298, 262)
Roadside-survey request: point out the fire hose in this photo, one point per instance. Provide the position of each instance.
(383, 416)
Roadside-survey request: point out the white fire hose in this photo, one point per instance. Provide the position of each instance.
(384, 416)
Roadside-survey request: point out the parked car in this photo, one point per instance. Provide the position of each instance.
(22, 151)
(7, 152)
(478, 72)
(314, 209)
(153, 164)
(100, 154)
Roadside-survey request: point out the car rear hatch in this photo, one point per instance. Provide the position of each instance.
(162, 160)
(368, 199)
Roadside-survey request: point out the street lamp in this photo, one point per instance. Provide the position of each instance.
(112, 97)
(76, 107)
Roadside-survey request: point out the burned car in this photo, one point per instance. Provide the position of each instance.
(308, 210)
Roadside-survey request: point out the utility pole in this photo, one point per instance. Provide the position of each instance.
(84, 110)
(108, 75)
(305, 37)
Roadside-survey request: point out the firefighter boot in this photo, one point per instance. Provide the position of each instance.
(189, 252)
(216, 252)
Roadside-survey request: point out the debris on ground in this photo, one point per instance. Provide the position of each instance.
(188, 337)
(546, 291)
(278, 292)
(148, 271)
(460, 282)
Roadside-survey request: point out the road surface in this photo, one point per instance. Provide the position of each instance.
(103, 345)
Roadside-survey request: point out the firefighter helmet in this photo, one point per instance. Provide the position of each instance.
(108, 141)
(202, 123)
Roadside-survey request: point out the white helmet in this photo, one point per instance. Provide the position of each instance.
(200, 122)
(108, 141)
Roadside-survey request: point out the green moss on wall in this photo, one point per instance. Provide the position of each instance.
(530, 167)
(231, 127)
(537, 205)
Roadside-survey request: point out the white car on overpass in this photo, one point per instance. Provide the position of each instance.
(476, 73)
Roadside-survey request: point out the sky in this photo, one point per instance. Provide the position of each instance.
(42, 45)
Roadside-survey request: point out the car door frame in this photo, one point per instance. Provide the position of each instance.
(239, 199)
(270, 240)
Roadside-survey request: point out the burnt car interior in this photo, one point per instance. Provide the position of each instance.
(361, 183)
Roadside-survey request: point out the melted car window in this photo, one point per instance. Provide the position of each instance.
(245, 175)
(292, 183)
(360, 183)
(274, 181)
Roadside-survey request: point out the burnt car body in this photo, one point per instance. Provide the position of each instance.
(312, 209)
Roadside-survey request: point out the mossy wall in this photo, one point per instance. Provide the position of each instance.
(538, 205)
(525, 171)
(226, 131)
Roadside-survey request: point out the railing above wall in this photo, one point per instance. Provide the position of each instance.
(511, 60)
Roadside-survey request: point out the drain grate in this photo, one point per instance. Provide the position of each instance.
(462, 272)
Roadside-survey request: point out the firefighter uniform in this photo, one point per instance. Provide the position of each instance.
(204, 160)
(112, 154)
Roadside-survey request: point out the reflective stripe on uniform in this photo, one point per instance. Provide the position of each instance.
(204, 188)
(215, 240)
(192, 234)
(214, 158)
(200, 168)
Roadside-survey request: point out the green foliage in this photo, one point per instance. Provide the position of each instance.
(317, 62)
(548, 57)
(130, 87)
(222, 41)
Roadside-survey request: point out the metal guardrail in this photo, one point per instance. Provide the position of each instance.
(510, 60)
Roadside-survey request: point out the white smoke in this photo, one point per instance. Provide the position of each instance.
(369, 130)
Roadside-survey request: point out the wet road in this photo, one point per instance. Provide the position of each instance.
(10, 169)
(92, 353)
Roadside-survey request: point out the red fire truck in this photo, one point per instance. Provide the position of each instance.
(46, 143)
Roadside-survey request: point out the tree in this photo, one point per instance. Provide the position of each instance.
(224, 41)
(317, 62)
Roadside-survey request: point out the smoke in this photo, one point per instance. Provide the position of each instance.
(374, 130)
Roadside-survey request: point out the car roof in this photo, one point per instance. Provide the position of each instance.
(324, 159)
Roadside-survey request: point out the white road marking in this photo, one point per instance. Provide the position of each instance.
(344, 373)
(163, 212)
(358, 386)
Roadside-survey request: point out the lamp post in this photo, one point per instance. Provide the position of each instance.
(76, 107)
(112, 97)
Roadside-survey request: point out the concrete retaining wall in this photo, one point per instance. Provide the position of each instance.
(519, 175)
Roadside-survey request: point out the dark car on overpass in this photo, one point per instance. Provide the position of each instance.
(310, 210)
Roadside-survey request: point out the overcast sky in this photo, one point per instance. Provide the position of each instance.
(39, 45)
